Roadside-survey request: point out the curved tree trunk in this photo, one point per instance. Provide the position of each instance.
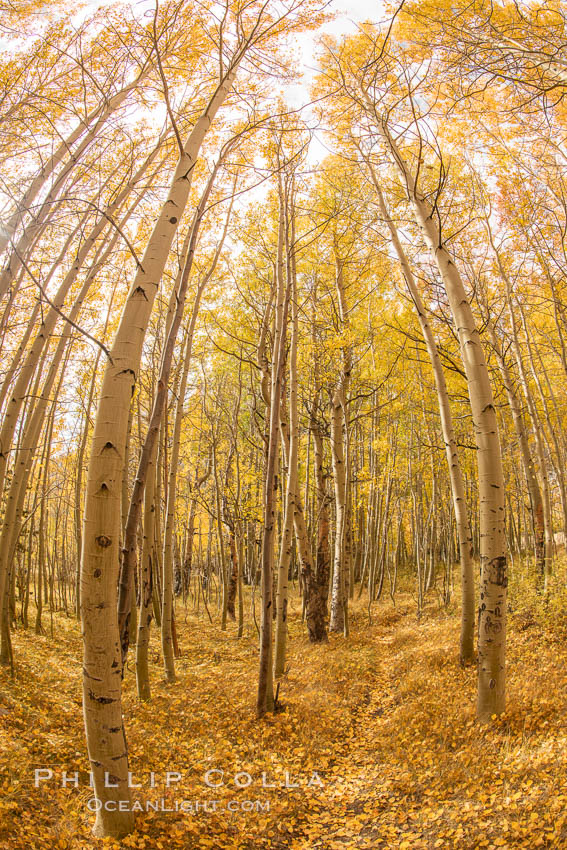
(49, 322)
(31, 443)
(451, 451)
(102, 665)
(494, 580)
(175, 315)
(99, 115)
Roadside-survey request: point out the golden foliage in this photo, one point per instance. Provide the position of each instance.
(386, 720)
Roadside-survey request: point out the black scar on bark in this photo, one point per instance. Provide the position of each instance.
(107, 446)
(139, 291)
(497, 571)
(101, 700)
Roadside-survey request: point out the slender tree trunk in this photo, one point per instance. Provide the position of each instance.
(265, 698)
(314, 585)
(494, 580)
(223, 570)
(88, 128)
(286, 543)
(451, 451)
(339, 426)
(322, 500)
(172, 483)
(539, 432)
(129, 553)
(547, 517)
(102, 667)
(79, 474)
(49, 321)
(146, 584)
(534, 491)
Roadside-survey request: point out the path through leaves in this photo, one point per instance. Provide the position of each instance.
(378, 734)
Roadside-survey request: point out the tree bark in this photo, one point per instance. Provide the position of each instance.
(451, 451)
(265, 697)
(102, 665)
(494, 581)
(339, 426)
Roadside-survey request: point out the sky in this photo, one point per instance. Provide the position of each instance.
(349, 13)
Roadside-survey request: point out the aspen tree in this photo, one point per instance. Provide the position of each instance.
(101, 537)
(339, 442)
(514, 45)
(178, 300)
(494, 580)
(547, 517)
(30, 366)
(230, 523)
(26, 452)
(35, 313)
(50, 319)
(44, 473)
(453, 461)
(147, 577)
(167, 599)
(290, 453)
(83, 447)
(219, 523)
(265, 698)
(534, 490)
(557, 467)
(314, 583)
(101, 529)
(323, 549)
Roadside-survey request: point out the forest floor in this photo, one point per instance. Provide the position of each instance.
(386, 720)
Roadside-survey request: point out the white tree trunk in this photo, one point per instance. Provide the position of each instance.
(265, 696)
(494, 580)
(101, 530)
(50, 319)
(451, 451)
